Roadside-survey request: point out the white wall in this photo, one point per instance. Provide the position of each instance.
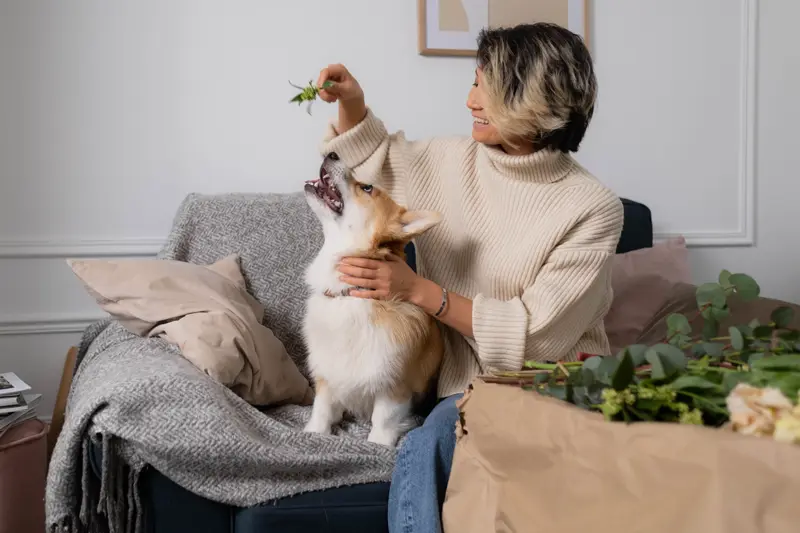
(110, 109)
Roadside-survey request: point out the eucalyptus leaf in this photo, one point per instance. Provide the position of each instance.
(594, 393)
(659, 365)
(699, 349)
(587, 377)
(607, 367)
(637, 352)
(580, 397)
(746, 287)
(782, 316)
(678, 323)
(675, 356)
(557, 391)
(710, 329)
(763, 332)
(593, 363)
(737, 339)
(720, 313)
(624, 373)
(711, 294)
(681, 341)
(714, 349)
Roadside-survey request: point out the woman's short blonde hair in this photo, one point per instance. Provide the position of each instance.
(540, 83)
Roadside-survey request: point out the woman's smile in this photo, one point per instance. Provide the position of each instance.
(479, 124)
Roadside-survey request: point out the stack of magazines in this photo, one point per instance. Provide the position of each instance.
(16, 403)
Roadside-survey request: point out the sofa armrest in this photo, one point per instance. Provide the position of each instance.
(57, 422)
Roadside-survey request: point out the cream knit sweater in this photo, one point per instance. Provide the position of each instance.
(529, 238)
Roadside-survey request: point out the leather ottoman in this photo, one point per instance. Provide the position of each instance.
(23, 474)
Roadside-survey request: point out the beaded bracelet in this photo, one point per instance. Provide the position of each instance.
(444, 302)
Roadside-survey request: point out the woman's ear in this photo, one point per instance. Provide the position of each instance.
(414, 223)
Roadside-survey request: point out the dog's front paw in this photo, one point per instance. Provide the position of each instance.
(315, 426)
(383, 436)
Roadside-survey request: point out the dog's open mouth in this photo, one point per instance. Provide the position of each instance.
(326, 191)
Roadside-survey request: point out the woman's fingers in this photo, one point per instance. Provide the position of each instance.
(371, 295)
(337, 72)
(358, 272)
(345, 86)
(327, 95)
(362, 262)
(361, 282)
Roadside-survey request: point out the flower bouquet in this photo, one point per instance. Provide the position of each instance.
(746, 380)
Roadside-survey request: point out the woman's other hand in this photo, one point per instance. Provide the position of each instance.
(387, 279)
(345, 87)
(394, 279)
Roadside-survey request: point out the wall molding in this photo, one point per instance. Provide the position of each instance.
(744, 235)
(59, 248)
(46, 323)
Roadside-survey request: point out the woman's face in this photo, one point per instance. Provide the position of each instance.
(483, 131)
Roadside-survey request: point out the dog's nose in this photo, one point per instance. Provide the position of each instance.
(334, 156)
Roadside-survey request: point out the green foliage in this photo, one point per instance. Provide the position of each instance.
(308, 93)
(687, 377)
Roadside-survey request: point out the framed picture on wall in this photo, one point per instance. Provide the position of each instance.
(450, 27)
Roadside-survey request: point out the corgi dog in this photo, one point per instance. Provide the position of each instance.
(371, 358)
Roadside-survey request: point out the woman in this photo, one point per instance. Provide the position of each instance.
(520, 267)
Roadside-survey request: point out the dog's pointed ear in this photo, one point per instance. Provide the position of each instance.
(414, 223)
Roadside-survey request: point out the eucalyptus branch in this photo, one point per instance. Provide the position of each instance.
(687, 377)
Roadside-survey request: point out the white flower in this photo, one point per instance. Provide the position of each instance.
(755, 411)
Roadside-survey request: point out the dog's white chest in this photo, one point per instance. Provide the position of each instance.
(346, 348)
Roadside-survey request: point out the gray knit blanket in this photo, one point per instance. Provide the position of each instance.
(149, 406)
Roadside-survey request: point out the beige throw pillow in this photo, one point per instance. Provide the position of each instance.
(643, 282)
(205, 310)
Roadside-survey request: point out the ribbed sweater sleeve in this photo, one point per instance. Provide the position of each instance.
(375, 156)
(568, 296)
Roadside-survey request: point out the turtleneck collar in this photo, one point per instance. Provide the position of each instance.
(543, 166)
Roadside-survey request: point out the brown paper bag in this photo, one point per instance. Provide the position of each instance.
(528, 463)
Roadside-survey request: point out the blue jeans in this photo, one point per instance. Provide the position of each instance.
(421, 472)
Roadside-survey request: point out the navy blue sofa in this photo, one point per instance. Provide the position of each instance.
(172, 509)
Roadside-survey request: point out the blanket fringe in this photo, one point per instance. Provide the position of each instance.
(110, 505)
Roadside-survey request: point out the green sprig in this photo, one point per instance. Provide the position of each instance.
(309, 93)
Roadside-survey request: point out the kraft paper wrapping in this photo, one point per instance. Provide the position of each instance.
(524, 462)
